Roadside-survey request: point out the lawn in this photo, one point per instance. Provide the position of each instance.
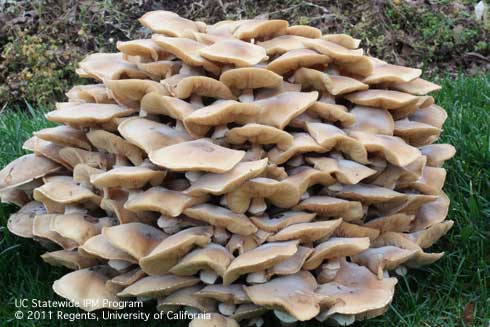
(453, 292)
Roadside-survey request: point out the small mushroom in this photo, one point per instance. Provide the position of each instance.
(144, 48)
(334, 84)
(417, 86)
(372, 120)
(41, 227)
(128, 177)
(159, 70)
(248, 78)
(387, 73)
(91, 93)
(78, 227)
(332, 207)
(21, 222)
(64, 135)
(201, 86)
(307, 232)
(70, 259)
(254, 29)
(235, 52)
(383, 258)
(295, 59)
(171, 24)
(304, 31)
(437, 154)
(282, 220)
(100, 246)
(157, 286)
(118, 283)
(259, 134)
(344, 171)
(129, 92)
(114, 144)
(106, 66)
(282, 44)
(344, 40)
(185, 297)
(302, 143)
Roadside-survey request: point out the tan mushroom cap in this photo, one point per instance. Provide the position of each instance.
(41, 227)
(307, 232)
(334, 84)
(295, 59)
(145, 48)
(294, 294)
(136, 239)
(398, 222)
(15, 196)
(388, 73)
(258, 259)
(329, 137)
(45, 149)
(233, 293)
(218, 184)
(250, 78)
(159, 70)
(282, 220)
(185, 297)
(221, 217)
(64, 135)
(213, 256)
(331, 112)
(104, 66)
(344, 40)
(209, 39)
(292, 264)
(384, 99)
(304, 31)
(417, 86)
(393, 148)
(279, 110)
(167, 202)
(437, 154)
(353, 230)
(427, 237)
(221, 112)
(344, 171)
(372, 120)
(432, 115)
(259, 134)
(248, 311)
(69, 259)
(129, 92)
(156, 286)
(214, 320)
(186, 50)
(86, 288)
(156, 103)
(149, 135)
(25, 169)
(333, 50)
(118, 283)
(358, 292)
(21, 222)
(201, 86)
(163, 257)
(368, 193)
(383, 258)
(336, 247)
(234, 52)
(282, 44)
(128, 177)
(78, 227)
(92, 93)
(260, 29)
(114, 144)
(86, 114)
(415, 133)
(100, 246)
(75, 156)
(198, 155)
(302, 143)
(332, 207)
(171, 24)
(431, 181)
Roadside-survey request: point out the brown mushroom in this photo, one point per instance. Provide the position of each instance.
(171, 24)
(128, 177)
(336, 247)
(64, 135)
(156, 286)
(104, 66)
(295, 59)
(235, 52)
(307, 232)
(145, 48)
(344, 40)
(92, 93)
(21, 222)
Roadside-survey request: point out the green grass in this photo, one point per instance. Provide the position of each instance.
(433, 296)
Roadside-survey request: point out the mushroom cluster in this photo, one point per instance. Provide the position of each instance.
(233, 169)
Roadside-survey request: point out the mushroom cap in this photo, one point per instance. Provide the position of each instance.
(136, 239)
(383, 258)
(222, 217)
(292, 264)
(393, 148)
(432, 115)
(331, 112)
(302, 143)
(78, 227)
(156, 103)
(235, 52)
(86, 114)
(259, 134)
(45, 149)
(295, 294)
(15, 196)
(248, 311)
(372, 120)
(336, 247)
(64, 135)
(129, 92)
(260, 258)
(69, 259)
(353, 230)
(118, 283)
(334, 84)
(282, 44)
(304, 31)
(159, 70)
(213, 256)
(260, 28)
(219, 113)
(295, 59)
(93, 93)
(21, 222)
(333, 50)
(307, 232)
(344, 171)
(427, 237)
(417, 86)
(250, 78)
(156, 286)
(368, 193)
(86, 288)
(437, 153)
(149, 135)
(201, 86)
(145, 48)
(415, 133)
(282, 220)
(41, 227)
(358, 291)
(185, 297)
(387, 73)
(25, 169)
(170, 250)
(344, 40)
(384, 99)
(75, 156)
(104, 66)
(114, 144)
(233, 293)
(171, 24)
(399, 222)
(186, 50)
(214, 320)
(332, 207)
(167, 202)
(198, 155)
(218, 184)
(100, 246)
(128, 177)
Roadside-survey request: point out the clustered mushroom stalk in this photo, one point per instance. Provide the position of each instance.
(237, 168)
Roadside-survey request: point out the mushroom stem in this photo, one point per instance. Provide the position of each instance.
(285, 318)
(257, 206)
(208, 276)
(196, 101)
(258, 277)
(247, 96)
(227, 308)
